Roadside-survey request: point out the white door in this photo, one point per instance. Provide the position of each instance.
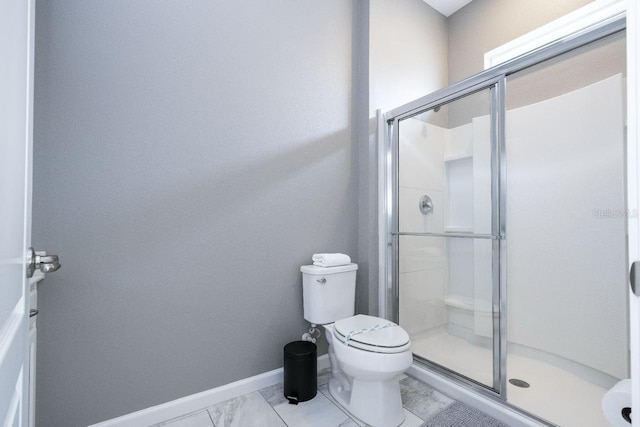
(16, 107)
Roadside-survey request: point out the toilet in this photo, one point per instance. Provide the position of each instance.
(367, 354)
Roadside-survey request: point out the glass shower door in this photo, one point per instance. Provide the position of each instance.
(508, 189)
(447, 236)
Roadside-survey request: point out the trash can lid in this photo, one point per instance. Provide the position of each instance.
(300, 350)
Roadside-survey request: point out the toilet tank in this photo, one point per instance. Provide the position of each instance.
(328, 293)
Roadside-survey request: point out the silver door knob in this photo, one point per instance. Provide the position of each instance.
(634, 278)
(45, 263)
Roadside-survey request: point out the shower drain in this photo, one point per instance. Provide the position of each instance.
(519, 383)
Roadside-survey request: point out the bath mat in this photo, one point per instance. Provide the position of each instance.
(461, 415)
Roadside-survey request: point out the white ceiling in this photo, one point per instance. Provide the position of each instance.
(447, 7)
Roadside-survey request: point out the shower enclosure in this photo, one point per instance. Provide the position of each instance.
(506, 228)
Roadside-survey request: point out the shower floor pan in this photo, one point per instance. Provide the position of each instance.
(554, 394)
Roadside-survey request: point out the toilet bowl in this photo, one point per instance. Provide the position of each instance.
(368, 354)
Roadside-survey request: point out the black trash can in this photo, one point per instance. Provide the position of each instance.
(300, 371)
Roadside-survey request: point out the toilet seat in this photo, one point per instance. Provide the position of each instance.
(372, 334)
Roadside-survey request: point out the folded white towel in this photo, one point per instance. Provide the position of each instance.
(330, 260)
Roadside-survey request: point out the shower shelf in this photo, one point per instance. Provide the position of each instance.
(454, 157)
(468, 303)
(457, 301)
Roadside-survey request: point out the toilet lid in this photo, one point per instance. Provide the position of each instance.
(372, 334)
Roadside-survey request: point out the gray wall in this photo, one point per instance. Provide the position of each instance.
(189, 157)
(483, 25)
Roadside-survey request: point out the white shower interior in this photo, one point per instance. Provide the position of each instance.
(566, 299)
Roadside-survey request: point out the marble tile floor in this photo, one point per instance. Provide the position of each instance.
(423, 406)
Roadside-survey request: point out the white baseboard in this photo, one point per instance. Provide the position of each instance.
(484, 404)
(202, 400)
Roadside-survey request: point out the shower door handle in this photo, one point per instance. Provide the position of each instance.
(634, 278)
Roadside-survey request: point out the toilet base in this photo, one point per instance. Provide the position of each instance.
(376, 403)
(365, 384)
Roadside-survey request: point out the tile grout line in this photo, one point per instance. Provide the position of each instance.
(344, 411)
(416, 415)
(182, 417)
(210, 417)
(272, 408)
